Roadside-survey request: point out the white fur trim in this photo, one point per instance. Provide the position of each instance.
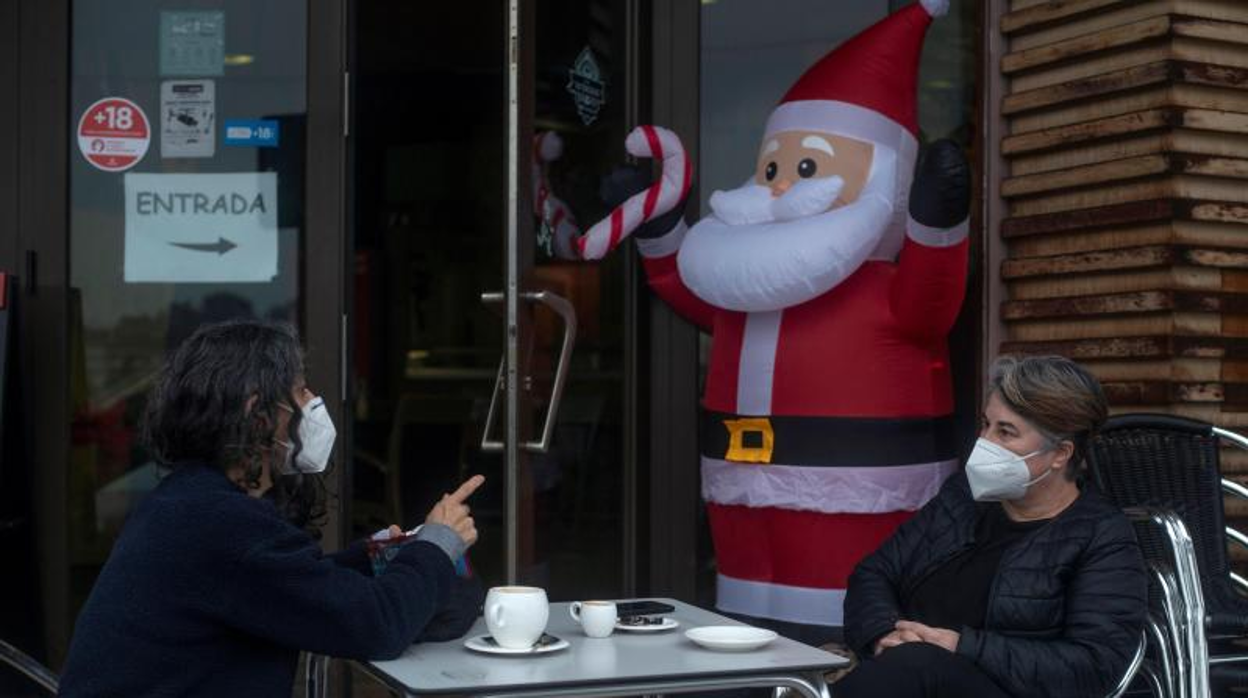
(937, 237)
(936, 8)
(805, 605)
(827, 490)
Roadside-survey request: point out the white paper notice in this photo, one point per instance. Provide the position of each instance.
(188, 115)
(218, 228)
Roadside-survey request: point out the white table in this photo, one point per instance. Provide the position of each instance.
(624, 664)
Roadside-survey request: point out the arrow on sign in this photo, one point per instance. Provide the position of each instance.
(221, 246)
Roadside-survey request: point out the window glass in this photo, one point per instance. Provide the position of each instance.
(186, 206)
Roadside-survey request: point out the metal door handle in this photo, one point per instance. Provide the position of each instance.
(565, 311)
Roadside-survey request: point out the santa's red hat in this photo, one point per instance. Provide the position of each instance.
(867, 87)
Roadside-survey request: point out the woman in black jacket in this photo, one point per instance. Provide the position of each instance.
(211, 590)
(1012, 581)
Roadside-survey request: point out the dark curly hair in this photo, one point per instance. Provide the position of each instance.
(217, 401)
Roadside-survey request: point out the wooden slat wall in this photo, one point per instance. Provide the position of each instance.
(1127, 202)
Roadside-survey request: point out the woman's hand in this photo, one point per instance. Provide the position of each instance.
(452, 512)
(897, 637)
(933, 636)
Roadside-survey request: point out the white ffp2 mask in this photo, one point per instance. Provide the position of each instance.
(316, 434)
(998, 474)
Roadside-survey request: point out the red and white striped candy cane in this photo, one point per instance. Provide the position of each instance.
(662, 196)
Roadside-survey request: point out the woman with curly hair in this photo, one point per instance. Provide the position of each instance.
(214, 587)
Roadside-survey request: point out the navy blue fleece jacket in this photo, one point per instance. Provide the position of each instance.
(210, 592)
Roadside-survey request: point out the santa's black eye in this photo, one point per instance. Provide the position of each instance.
(770, 172)
(806, 168)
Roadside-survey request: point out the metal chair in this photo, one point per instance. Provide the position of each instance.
(1165, 471)
(43, 677)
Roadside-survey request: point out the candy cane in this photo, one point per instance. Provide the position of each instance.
(551, 210)
(662, 196)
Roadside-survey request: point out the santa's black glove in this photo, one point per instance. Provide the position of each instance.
(940, 196)
(627, 180)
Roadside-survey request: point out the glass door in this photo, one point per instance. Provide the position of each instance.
(478, 344)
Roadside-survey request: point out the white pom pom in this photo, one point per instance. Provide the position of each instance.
(936, 8)
(550, 147)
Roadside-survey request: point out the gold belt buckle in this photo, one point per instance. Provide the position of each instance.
(760, 428)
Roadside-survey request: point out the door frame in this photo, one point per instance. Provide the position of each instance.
(326, 260)
(42, 234)
(674, 481)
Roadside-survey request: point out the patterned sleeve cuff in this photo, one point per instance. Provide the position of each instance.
(663, 246)
(937, 237)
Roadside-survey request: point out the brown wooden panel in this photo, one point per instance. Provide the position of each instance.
(1129, 281)
(1232, 306)
(1159, 72)
(1162, 392)
(1068, 178)
(1164, 94)
(1174, 231)
(1230, 32)
(1125, 35)
(1129, 258)
(1182, 186)
(1135, 212)
(1126, 258)
(1052, 12)
(1114, 126)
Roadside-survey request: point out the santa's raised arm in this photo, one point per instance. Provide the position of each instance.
(828, 283)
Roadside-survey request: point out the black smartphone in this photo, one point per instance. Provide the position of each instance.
(644, 607)
(545, 639)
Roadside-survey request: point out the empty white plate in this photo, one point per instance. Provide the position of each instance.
(730, 638)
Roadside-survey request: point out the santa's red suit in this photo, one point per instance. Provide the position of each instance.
(828, 406)
(853, 390)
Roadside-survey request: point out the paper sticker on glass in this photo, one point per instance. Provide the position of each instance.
(201, 227)
(187, 118)
(587, 86)
(192, 43)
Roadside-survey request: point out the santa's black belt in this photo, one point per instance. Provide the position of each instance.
(827, 441)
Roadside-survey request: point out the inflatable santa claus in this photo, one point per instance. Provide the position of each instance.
(828, 283)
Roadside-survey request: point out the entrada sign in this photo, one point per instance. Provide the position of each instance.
(217, 228)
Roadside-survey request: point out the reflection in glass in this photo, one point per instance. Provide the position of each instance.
(429, 192)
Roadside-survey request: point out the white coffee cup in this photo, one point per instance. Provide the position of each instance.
(597, 618)
(516, 616)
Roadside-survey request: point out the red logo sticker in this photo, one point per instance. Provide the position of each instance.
(113, 134)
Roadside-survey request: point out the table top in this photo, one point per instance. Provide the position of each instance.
(624, 657)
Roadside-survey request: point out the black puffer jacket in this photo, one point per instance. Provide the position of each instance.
(1066, 608)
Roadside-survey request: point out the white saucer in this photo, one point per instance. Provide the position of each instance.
(730, 638)
(485, 643)
(667, 624)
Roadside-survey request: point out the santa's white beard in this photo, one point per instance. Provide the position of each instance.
(777, 255)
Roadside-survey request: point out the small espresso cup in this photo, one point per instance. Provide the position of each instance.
(597, 618)
(516, 616)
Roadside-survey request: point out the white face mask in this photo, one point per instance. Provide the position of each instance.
(317, 434)
(998, 474)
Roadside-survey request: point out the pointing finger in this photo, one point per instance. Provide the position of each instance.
(465, 490)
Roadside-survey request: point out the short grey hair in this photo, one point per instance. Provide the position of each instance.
(1057, 396)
